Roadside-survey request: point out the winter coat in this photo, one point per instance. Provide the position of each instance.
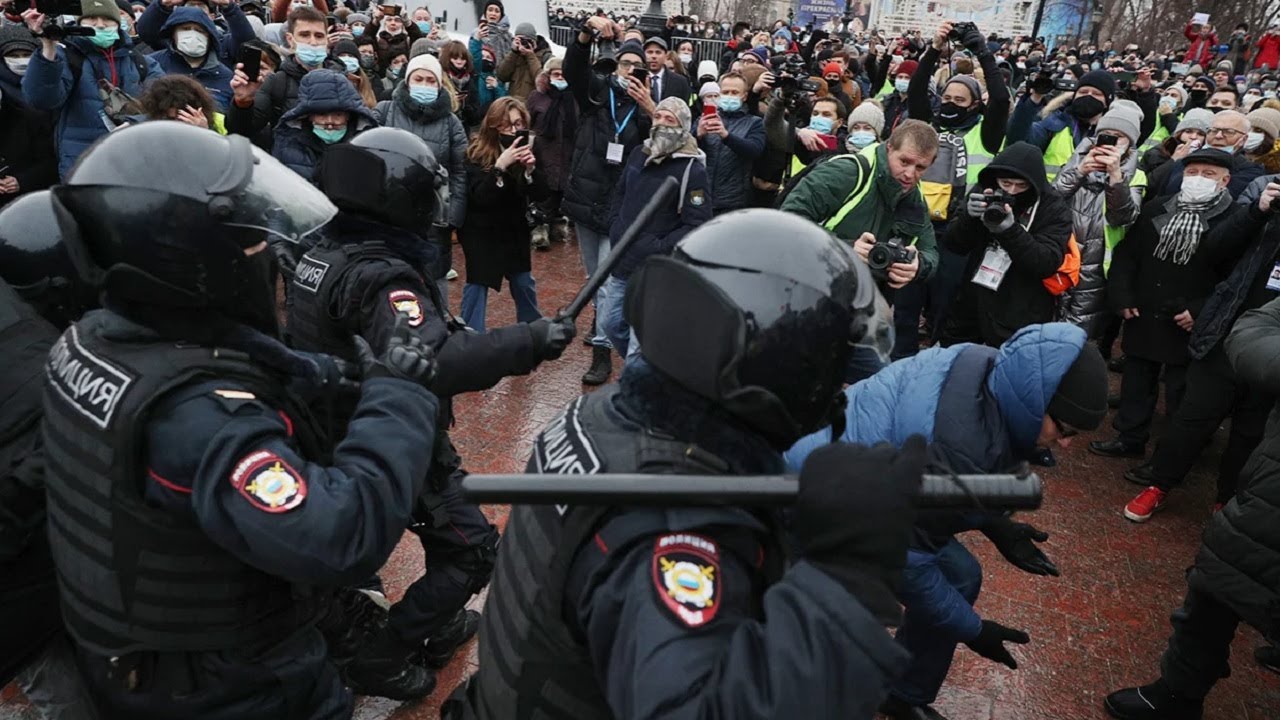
(1202, 47)
(1240, 549)
(1161, 288)
(1254, 190)
(729, 159)
(990, 317)
(151, 29)
(496, 238)
(588, 196)
(388, 46)
(981, 409)
(26, 141)
(320, 91)
(440, 129)
(51, 86)
(499, 40)
(1253, 252)
(481, 96)
(278, 95)
(211, 72)
(1168, 179)
(640, 182)
(553, 116)
(1268, 52)
(520, 72)
(1085, 303)
(1038, 124)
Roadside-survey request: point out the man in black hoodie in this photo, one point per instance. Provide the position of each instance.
(1011, 248)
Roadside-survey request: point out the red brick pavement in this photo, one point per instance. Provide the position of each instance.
(1102, 625)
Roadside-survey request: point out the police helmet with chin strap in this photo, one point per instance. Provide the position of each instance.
(34, 260)
(758, 311)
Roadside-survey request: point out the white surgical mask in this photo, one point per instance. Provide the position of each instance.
(685, 58)
(1252, 141)
(1197, 189)
(191, 43)
(18, 66)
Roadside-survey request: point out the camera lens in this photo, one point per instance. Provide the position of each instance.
(879, 257)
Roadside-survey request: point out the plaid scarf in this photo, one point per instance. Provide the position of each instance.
(1180, 237)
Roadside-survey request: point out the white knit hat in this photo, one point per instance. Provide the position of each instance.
(425, 62)
(707, 88)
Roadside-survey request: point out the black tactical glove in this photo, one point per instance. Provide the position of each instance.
(332, 377)
(991, 639)
(1017, 543)
(406, 356)
(974, 42)
(854, 514)
(552, 336)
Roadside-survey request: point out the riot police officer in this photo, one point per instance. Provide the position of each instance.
(193, 511)
(39, 295)
(368, 270)
(598, 612)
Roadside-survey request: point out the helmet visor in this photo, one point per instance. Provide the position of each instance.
(278, 201)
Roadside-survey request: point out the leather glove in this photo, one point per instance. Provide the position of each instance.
(854, 515)
(406, 356)
(1017, 543)
(991, 639)
(552, 336)
(977, 204)
(974, 42)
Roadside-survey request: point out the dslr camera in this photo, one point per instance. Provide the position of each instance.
(52, 10)
(995, 206)
(959, 30)
(792, 77)
(889, 252)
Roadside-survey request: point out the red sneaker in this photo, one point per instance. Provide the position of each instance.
(1148, 501)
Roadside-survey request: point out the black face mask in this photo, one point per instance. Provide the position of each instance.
(950, 114)
(1086, 106)
(1197, 97)
(486, 65)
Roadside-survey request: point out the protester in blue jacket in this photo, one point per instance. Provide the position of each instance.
(63, 79)
(192, 51)
(329, 111)
(732, 138)
(983, 410)
(151, 25)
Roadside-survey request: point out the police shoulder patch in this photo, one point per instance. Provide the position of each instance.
(268, 482)
(406, 301)
(686, 576)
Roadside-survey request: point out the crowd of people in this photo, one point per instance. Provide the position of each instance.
(873, 240)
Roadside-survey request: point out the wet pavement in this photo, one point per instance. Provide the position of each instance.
(1100, 626)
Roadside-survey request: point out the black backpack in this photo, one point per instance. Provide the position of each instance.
(794, 180)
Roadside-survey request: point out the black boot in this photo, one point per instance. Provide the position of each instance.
(1268, 656)
(352, 617)
(898, 709)
(445, 642)
(1152, 702)
(384, 668)
(601, 366)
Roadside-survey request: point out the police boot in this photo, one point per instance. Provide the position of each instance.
(445, 642)
(540, 240)
(1152, 702)
(352, 617)
(601, 366)
(384, 668)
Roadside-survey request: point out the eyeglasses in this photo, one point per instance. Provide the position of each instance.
(1226, 132)
(1064, 430)
(749, 60)
(628, 64)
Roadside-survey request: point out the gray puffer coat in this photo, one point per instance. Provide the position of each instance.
(439, 128)
(1093, 208)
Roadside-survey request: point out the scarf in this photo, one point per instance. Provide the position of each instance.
(555, 122)
(665, 141)
(1180, 237)
(418, 112)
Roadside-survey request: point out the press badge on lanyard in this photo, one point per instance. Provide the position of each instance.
(1273, 282)
(995, 263)
(613, 154)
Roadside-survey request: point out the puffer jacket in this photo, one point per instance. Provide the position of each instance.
(981, 409)
(440, 129)
(320, 91)
(49, 85)
(151, 29)
(1240, 553)
(729, 159)
(1094, 208)
(211, 73)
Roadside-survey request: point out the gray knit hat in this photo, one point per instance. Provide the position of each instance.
(869, 113)
(1265, 120)
(679, 108)
(1124, 117)
(526, 30)
(1195, 119)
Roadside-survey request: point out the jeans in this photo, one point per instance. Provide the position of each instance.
(931, 647)
(594, 248)
(620, 335)
(475, 300)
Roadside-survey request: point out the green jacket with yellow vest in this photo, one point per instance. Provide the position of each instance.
(853, 194)
(1049, 126)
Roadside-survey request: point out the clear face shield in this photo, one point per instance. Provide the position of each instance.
(270, 197)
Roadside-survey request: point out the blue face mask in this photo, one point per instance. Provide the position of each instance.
(353, 65)
(560, 84)
(311, 55)
(357, 30)
(729, 103)
(105, 37)
(861, 138)
(424, 26)
(395, 70)
(424, 95)
(124, 25)
(328, 137)
(901, 85)
(821, 124)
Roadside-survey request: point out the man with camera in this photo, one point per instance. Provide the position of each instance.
(1014, 234)
(521, 66)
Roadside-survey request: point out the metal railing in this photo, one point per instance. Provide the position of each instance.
(704, 49)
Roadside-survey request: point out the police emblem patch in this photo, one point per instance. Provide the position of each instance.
(268, 482)
(405, 301)
(696, 198)
(686, 576)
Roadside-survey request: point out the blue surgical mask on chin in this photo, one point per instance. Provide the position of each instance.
(821, 124)
(1230, 149)
(560, 84)
(729, 103)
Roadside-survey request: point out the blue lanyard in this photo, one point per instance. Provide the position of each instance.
(613, 112)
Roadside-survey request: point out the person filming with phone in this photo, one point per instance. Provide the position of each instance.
(732, 138)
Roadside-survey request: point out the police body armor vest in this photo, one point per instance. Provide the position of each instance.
(133, 577)
(531, 663)
(25, 338)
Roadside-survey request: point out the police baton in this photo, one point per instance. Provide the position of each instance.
(666, 191)
(1006, 492)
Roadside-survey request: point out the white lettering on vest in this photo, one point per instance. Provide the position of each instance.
(89, 383)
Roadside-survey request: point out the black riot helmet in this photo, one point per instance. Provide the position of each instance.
(388, 175)
(758, 311)
(170, 221)
(35, 263)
